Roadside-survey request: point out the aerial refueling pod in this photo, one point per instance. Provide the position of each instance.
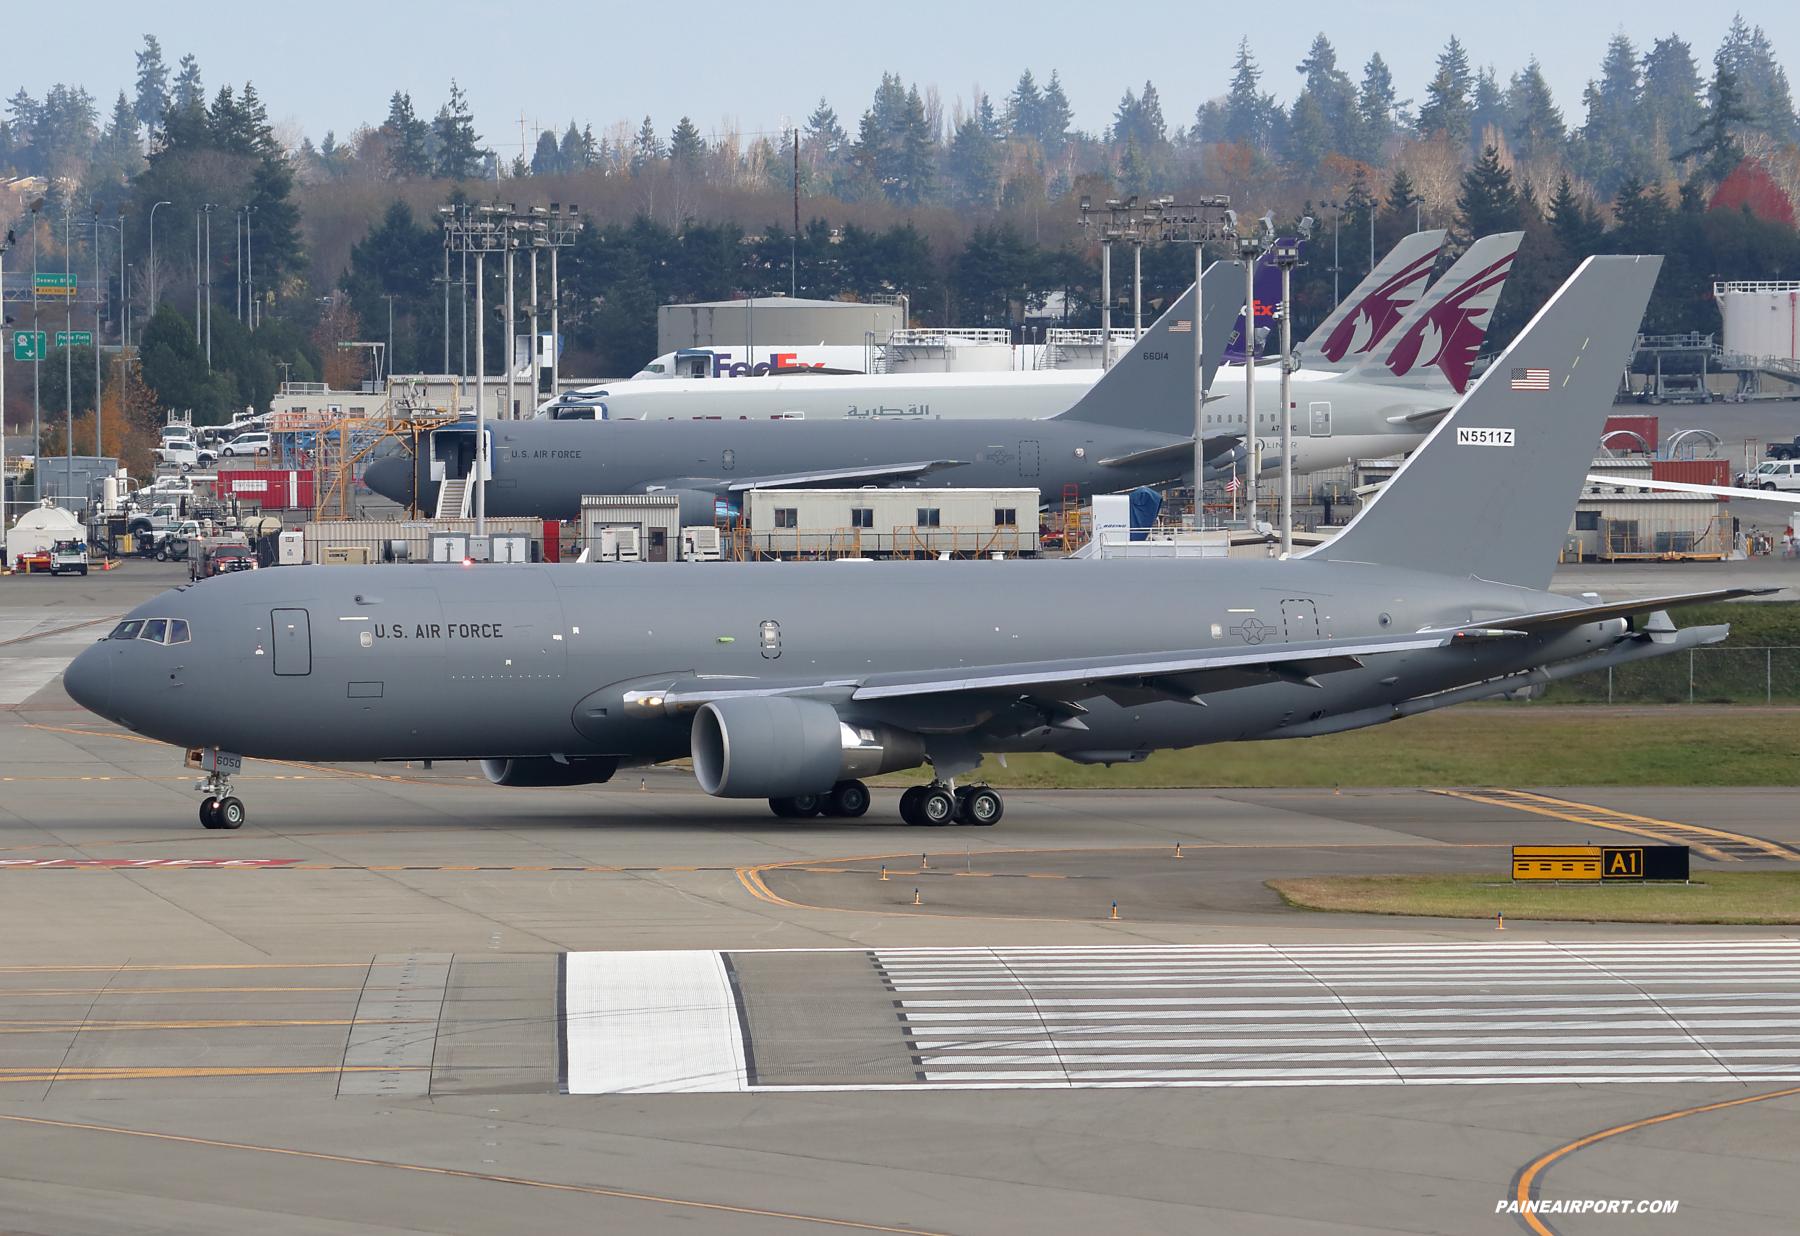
(543, 771)
(776, 746)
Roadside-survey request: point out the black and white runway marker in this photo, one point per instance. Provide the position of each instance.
(1249, 1015)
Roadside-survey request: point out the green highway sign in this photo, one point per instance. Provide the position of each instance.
(56, 285)
(81, 338)
(28, 345)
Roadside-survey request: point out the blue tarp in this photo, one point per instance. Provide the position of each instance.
(1146, 505)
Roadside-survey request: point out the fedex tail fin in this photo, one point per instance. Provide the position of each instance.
(1268, 299)
(1375, 306)
(1490, 491)
(1152, 386)
(1446, 327)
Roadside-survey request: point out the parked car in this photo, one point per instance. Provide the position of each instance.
(1772, 474)
(247, 444)
(185, 453)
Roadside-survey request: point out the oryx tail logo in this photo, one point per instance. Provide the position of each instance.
(1449, 333)
(1380, 311)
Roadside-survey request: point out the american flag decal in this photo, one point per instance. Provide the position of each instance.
(1531, 379)
(1183, 326)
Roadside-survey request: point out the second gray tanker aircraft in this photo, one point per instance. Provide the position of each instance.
(791, 683)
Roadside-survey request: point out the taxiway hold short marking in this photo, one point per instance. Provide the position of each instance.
(1694, 836)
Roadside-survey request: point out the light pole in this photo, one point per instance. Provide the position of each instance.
(390, 339)
(68, 352)
(1250, 249)
(207, 210)
(37, 370)
(1287, 256)
(97, 409)
(1337, 210)
(152, 306)
(6, 244)
(250, 263)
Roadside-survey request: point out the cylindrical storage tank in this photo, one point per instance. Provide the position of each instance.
(1761, 319)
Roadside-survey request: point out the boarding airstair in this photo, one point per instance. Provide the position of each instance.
(453, 499)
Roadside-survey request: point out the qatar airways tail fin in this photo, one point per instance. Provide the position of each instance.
(1445, 327)
(1375, 306)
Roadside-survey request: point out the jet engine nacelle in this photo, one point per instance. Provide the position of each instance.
(776, 746)
(546, 771)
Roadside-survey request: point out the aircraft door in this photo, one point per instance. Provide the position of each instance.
(292, 634)
(1299, 620)
(1320, 415)
(1028, 458)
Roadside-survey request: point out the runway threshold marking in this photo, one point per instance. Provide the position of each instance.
(1714, 843)
(490, 1177)
(1526, 1183)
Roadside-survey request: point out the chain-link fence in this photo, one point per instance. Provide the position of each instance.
(1700, 676)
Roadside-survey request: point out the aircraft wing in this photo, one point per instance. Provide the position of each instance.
(837, 476)
(1126, 679)
(1581, 615)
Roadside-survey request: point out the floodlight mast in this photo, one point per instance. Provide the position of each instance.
(1287, 256)
(1206, 219)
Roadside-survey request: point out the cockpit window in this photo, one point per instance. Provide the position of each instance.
(128, 629)
(178, 631)
(154, 630)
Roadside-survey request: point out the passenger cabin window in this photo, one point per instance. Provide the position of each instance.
(862, 517)
(787, 517)
(1006, 517)
(928, 517)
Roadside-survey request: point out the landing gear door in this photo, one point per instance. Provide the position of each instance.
(1319, 414)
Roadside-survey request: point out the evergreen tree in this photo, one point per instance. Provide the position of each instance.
(1489, 118)
(1134, 169)
(1489, 202)
(152, 84)
(1330, 87)
(571, 153)
(1446, 107)
(1375, 106)
(1642, 219)
(459, 153)
(1715, 140)
(1537, 122)
(646, 149)
(407, 136)
(1576, 227)
(975, 163)
(1309, 135)
(992, 123)
(1054, 116)
(1671, 107)
(546, 157)
(118, 154)
(188, 95)
(824, 132)
(1025, 108)
(1762, 83)
(915, 163)
(1248, 112)
(687, 149)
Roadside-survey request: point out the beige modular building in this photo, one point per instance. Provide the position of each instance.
(881, 523)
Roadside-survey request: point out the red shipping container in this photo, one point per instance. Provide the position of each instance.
(1644, 426)
(552, 541)
(274, 489)
(1692, 471)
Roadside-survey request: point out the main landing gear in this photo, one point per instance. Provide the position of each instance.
(937, 805)
(845, 800)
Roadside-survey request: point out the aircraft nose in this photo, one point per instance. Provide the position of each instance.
(392, 478)
(88, 680)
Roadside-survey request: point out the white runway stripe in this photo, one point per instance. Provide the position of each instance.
(1331, 1015)
(644, 1023)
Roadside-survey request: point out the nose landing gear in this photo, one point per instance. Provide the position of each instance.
(220, 809)
(227, 812)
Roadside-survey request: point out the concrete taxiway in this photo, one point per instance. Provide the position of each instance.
(405, 1000)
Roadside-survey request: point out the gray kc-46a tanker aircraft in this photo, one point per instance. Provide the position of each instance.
(1134, 427)
(791, 683)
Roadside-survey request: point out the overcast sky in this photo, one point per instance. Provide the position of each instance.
(333, 65)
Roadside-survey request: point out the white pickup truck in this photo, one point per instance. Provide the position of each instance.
(185, 453)
(1772, 474)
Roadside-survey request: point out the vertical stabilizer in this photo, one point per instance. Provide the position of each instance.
(1152, 386)
(1490, 492)
(1375, 306)
(1448, 324)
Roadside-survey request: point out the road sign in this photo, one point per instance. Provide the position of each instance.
(1595, 863)
(56, 285)
(28, 345)
(81, 338)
